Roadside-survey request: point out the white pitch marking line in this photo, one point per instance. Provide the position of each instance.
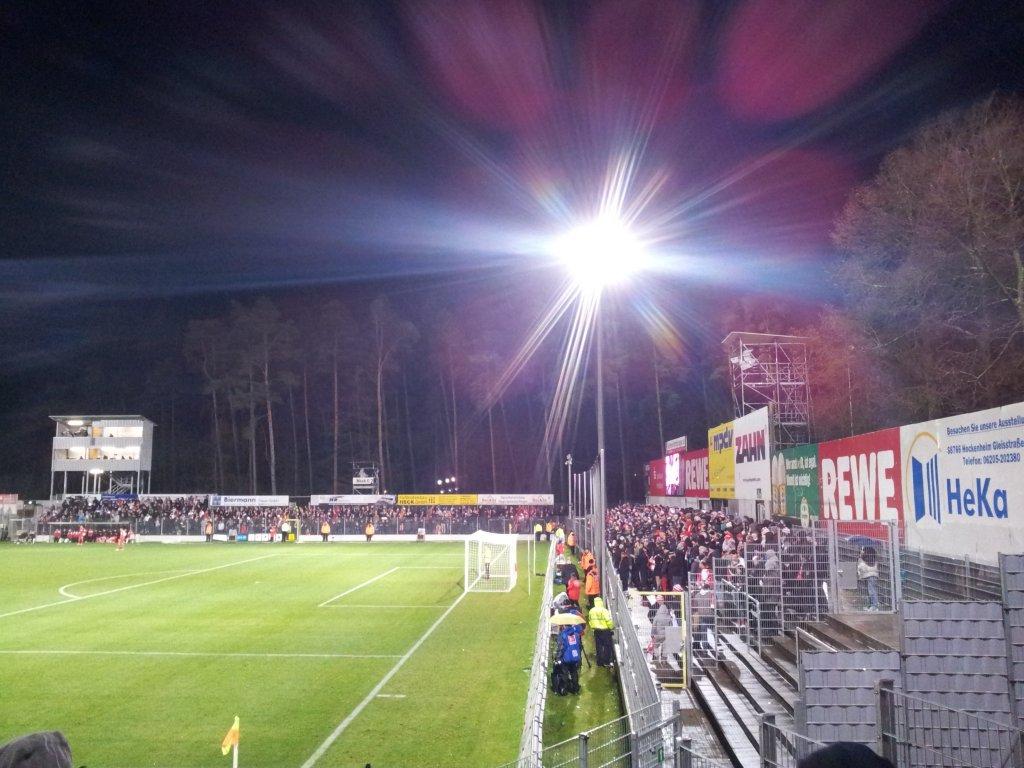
(204, 654)
(64, 590)
(430, 567)
(134, 586)
(364, 605)
(359, 586)
(322, 749)
(390, 695)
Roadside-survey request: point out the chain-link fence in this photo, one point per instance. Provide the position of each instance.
(782, 748)
(916, 733)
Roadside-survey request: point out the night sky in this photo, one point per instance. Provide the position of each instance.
(161, 159)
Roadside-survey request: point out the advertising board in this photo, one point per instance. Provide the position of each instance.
(695, 474)
(351, 498)
(675, 445)
(860, 477)
(753, 468)
(963, 483)
(721, 462)
(655, 471)
(516, 499)
(248, 501)
(674, 474)
(437, 499)
(800, 490)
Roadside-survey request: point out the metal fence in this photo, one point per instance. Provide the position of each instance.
(662, 624)
(916, 733)
(927, 576)
(531, 745)
(782, 748)
(616, 745)
(877, 546)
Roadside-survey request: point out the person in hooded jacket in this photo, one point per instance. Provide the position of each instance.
(600, 619)
(569, 652)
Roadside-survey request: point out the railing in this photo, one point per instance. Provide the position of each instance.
(259, 526)
(917, 733)
(531, 745)
(639, 691)
(781, 748)
(928, 576)
(615, 745)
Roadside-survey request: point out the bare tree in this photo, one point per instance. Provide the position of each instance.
(390, 335)
(206, 345)
(934, 259)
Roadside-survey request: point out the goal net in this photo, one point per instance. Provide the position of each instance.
(490, 562)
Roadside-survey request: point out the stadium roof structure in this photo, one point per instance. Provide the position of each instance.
(749, 337)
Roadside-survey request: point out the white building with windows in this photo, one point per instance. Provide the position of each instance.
(101, 454)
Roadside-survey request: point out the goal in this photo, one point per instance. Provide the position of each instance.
(490, 562)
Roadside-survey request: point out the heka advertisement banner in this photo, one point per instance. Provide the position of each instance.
(721, 462)
(351, 499)
(656, 477)
(695, 474)
(674, 474)
(516, 499)
(752, 477)
(437, 499)
(248, 501)
(800, 483)
(860, 477)
(963, 483)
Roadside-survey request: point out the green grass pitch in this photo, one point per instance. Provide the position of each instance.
(144, 657)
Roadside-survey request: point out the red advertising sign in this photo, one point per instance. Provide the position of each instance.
(695, 474)
(860, 477)
(656, 477)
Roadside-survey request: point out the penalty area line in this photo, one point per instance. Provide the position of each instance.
(358, 586)
(375, 692)
(132, 586)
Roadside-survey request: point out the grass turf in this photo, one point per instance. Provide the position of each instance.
(597, 703)
(150, 653)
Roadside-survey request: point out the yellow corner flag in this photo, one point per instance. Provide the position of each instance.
(231, 740)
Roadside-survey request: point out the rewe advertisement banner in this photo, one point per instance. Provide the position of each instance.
(753, 473)
(695, 474)
(963, 483)
(248, 501)
(656, 478)
(721, 462)
(860, 477)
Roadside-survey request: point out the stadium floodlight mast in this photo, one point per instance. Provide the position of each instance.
(599, 254)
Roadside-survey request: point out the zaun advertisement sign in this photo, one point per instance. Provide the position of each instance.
(963, 483)
(721, 462)
(799, 489)
(695, 474)
(860, 477)
(656, 477)
(753, 468)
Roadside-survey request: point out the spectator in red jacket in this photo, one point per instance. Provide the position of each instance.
(572, 589)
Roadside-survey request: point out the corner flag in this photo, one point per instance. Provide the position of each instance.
(231, 740)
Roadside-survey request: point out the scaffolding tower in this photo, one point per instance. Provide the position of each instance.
(770, 370)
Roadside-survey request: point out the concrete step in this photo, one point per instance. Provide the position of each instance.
(732, 734)
(875, 632)
(782, 692)
(828, 635)
(782, 664)
(785, 647)
(761, 699)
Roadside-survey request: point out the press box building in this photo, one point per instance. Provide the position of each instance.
(101, 454)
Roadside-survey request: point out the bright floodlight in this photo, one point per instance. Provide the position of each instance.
(600, 253)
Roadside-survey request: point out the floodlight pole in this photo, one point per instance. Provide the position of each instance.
(601, 499)
(568, 484)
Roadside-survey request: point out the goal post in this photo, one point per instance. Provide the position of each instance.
(491, 564)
